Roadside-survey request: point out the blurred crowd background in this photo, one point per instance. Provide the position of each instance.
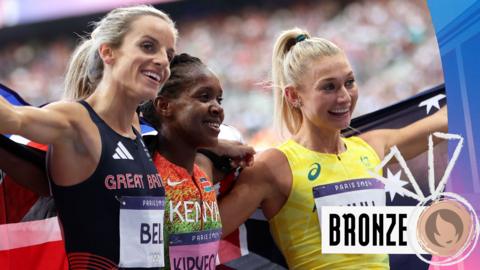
(391, 45)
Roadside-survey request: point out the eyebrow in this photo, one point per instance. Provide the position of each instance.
(209, 89)
(150, 37)
(333, 79)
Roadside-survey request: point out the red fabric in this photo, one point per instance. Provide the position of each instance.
(227, 183)
(49, 255)
(230, 247)
(43, 147)
(3, 212)
(16, 201)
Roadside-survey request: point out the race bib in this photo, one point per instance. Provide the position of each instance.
(358, 192)
(141, 231)
(196, 250)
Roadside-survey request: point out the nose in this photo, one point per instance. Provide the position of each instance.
(216, 110)
(161, 58)
(343, 95)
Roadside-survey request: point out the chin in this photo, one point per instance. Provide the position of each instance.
(213, 141)
(151, 93)
(143, 95)
(148, 90)
(341, 126)
(210, 142)
(347, 124)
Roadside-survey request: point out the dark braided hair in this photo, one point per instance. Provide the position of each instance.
(181, 77)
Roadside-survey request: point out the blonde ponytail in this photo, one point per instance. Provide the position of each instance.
(77, 83)
(292, 52)
(286, 117)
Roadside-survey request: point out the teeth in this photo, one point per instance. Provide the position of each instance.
(214, 125)
(152, 75)
(340, 110)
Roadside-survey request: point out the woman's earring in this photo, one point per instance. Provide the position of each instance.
(297, 104)
(108, 61)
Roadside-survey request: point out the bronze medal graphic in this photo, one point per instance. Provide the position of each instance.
(444, 228)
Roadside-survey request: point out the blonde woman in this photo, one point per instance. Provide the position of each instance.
(315, 95)
(107, 190)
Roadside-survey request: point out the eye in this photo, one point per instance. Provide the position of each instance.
(219, 100)
(204, 97)
(350, 83)
(328, 86)
(147, 46)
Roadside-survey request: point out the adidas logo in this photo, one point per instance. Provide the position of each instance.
(121, 152)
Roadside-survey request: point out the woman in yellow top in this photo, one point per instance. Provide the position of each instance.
(315, 95)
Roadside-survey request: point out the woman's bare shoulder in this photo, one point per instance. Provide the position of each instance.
(271, 164)
(272, 157)
(74, 112)
(69, 108)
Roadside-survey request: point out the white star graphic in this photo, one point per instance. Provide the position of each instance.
(432, 102)
(394, 185)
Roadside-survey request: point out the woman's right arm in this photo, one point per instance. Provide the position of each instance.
(47, 125)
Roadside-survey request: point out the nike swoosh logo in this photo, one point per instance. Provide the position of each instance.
(175, 183)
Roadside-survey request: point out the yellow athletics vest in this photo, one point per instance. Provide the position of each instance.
(344, 180)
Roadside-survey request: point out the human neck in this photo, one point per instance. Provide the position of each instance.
(176, 150)
(320, 139)
(115, 108)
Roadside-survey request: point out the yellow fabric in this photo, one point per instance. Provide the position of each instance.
(295, 227)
